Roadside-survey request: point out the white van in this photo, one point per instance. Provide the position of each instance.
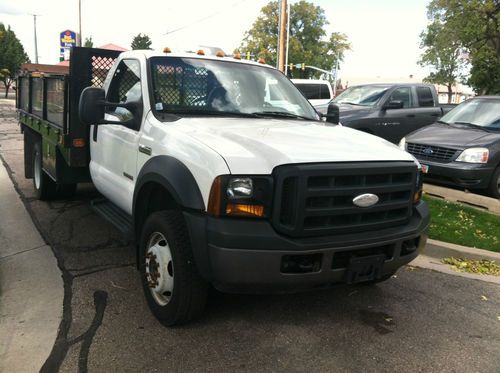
(318, 92)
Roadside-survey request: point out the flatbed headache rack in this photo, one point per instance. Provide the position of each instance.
(47, 100)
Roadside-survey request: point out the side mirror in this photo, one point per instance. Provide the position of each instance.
(91, 106)
(394, 104)
(333, 113)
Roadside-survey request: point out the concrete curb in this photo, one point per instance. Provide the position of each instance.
(438, 249)
(434, 251)
(470, 199)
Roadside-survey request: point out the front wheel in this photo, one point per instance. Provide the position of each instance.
(494, 188)
(174, 290)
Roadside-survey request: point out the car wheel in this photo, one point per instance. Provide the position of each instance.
(173, 288)
(45, 188)
(494, 188)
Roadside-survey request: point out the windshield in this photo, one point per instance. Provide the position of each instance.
(205, 87)
(364, 95)
(477, 112)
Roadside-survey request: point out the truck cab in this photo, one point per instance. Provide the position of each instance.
(390, 111)
(222, 185)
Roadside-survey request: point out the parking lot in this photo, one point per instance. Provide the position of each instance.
(419, 320)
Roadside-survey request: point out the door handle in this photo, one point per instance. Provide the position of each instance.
(145, 149)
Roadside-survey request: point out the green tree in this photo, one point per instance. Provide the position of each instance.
(141, 41)
(308, 41)
(12, 55)
(88, 42)
(476, 24)
(442, 52)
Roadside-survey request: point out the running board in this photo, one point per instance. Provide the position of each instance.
(115, 215)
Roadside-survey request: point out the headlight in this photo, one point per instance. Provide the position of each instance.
(239, 188)
(243, 196)
(402, 143)
(474, 155)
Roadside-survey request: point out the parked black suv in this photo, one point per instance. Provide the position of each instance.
(463, 148)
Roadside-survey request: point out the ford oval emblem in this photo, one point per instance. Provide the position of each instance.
(428, 151)
(365, 200)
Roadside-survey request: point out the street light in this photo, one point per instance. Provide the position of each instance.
(34, 30)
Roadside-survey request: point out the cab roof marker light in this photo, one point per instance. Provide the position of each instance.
(200, 52)
(261, 60)
(237, 56)
(167, 50)
(219, 54)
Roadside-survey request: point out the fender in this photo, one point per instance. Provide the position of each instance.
(175, 177)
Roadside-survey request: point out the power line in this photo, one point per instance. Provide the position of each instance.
(203, 18)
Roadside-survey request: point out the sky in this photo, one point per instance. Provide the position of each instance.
(384, 34)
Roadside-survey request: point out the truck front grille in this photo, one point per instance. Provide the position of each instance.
(437, 153)
(317, 199)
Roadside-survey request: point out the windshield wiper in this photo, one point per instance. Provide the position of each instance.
(472, 125)
(210, 113)
(279, 114)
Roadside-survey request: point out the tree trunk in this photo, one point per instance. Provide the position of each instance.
(450, 93)
(7, 86)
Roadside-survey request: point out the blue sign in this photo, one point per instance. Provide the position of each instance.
(68, 39)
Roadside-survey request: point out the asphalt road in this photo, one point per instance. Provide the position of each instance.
(419, 320)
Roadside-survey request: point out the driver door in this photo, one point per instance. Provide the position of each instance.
(114, 153)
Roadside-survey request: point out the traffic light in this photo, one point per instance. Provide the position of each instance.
(303, 67)
(291, 67)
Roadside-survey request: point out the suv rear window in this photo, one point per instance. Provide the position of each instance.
(314, 91)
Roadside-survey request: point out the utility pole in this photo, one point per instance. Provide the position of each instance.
(282, 36)
(36, 44)
(79, 23)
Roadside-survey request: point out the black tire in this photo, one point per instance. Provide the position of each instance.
(189, 295)
(494, 187)
(45, 188)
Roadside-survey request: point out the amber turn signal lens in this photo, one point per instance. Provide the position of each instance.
(214, 199)
(417, 196)
(219, 54)
(237, 209)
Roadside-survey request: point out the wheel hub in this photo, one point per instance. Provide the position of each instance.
(159, 269)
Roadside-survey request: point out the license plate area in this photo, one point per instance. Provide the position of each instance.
(366, 268)
(425, 168)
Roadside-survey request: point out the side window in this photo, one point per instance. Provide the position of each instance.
(402, 94)
(311, 91)
(425, 98)
(125, 87)
(324, 92)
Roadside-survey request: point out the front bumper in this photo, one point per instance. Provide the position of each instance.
(466, 175)
(241, 255)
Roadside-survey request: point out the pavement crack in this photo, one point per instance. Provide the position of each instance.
(23, 251)
(103, 268)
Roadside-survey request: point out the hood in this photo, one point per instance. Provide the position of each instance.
(256, 146)
(350, 112)
(455, 137)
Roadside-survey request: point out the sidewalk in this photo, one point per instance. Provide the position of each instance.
(31, 287)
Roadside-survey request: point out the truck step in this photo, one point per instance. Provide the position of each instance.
(115, 215)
